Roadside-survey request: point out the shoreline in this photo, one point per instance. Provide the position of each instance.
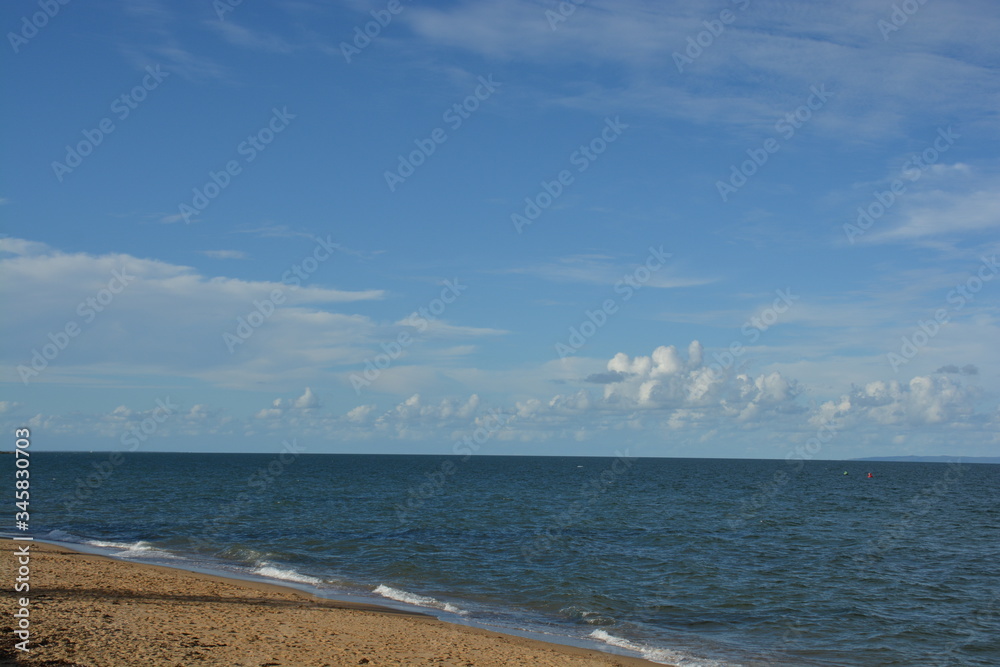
(93, 610)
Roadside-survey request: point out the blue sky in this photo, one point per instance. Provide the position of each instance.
(731, 229)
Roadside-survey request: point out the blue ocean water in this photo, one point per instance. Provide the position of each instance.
(683, 561)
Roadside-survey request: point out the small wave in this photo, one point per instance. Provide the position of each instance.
(414, 599)
(587, 616)
(593, 618)
(140, 549)
(271, 571)
(242, 554)
(660, 655)
(62, 536)
(108, 544)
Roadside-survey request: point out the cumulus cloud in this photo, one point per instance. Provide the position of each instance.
(307, 401)
(669, 393)
(413, 409)
(669, 389)
(924, 400)
(361, 413)
(763, 394)
(165, 415)
(664, 380)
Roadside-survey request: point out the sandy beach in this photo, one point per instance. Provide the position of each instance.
(94, 611)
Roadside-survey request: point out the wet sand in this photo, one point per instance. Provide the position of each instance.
(95, 611)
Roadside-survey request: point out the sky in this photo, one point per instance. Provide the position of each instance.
(727, 228)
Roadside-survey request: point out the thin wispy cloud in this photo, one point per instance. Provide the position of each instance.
(225, 254)
(241, 36)
(605, 270)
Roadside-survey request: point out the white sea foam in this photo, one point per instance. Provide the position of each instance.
(119, 549)
(107, 544)
(659, 655)
(265, 569)
(414, 599)
(140, 549)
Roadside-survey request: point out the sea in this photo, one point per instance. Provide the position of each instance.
(691, 562)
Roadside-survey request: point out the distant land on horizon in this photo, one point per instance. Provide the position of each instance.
(934, 459)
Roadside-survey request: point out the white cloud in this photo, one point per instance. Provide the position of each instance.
(946, 213)
(152, 41)
(442, 329)
(238, 35)
(307, 401)
(665, 380)
(876, 85)
(161, 318)
(361, 413)
(24, 248)
(604, 270)
(924, 400)
(414, 410)
(662, 416)
(281, 406)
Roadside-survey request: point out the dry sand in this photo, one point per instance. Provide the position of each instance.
(95, 612)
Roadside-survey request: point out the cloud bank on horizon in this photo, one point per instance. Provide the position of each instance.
(735, 229)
